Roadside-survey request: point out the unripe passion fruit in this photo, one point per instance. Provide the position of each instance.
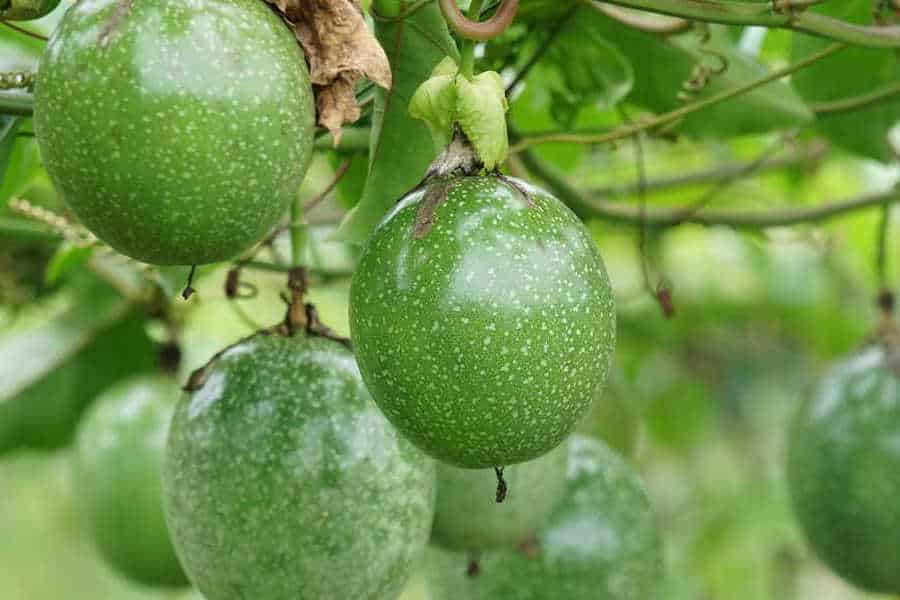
(483, 320)
(600, 543)
(178, 132)
(284, 481)
(844, 470)
(466, 516)
(118, 472)
(26, 10)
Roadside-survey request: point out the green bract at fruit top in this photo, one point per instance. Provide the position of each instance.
(178, 132)
(483, 319)
(118, 472)
(601, 543)
(26, 10)
(844, 470)
(466, 516)
(284, 481)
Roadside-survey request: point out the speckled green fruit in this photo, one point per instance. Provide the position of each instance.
(468, 517)
(118, 478)
(178, 132)
(284, 481)
(844, 471)
(485, 336)
(601, 543)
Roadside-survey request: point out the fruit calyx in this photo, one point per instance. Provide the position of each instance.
(477, 106)
(301, 316)
(458, 159)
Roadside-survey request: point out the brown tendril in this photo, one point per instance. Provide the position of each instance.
(475, 30)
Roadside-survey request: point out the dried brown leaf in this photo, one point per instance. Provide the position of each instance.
(340, 49)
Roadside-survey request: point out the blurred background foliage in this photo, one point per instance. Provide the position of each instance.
(699, 401)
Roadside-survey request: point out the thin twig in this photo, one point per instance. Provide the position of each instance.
(588, 207)
(24, 31)
(760, 13)
(338, 175)
(809, 155)
(881, 250)
(674, 115)
(647, 22)
(853, 103)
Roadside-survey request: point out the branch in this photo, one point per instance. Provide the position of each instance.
(588, 207)
(762, 14)
(16, 103)
(647, 22)
(678, 113)
(804, 156)
(857, 102)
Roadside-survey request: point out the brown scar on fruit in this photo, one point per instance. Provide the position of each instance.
(435, 195)
(514, 185)
(120, 13)
(530, 547)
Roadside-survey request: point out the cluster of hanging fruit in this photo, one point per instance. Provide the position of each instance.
(482, 325)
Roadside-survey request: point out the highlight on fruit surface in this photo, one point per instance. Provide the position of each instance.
(118, 472)
(467, 517)
(177, 132)
(483, 319)
(283, 480)
(601, 542)
(843, 469)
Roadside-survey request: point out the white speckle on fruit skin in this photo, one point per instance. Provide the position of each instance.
(184, 139)
(290, 484)
(501, 300)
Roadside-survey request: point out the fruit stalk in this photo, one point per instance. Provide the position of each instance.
(16, 103)
(467, 54)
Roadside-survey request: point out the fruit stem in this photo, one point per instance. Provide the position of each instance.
(16, 103)
(298, 232)
(467, 53)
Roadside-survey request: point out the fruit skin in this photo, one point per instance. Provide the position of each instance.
(182, 136)
(284, 481)
(843, 469)
(601, 543)
(467, 516)
(118, 472)
(485, 338)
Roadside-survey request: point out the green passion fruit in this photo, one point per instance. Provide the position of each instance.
(483, 320)
(118, 478)
(467, 517)
(600, 543)
(177, 132)
(283, 480)
(843, 468)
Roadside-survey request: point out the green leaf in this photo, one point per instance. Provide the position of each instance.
(435, 103)
(49, 344)
(599, 74)
(662, 65)
(481, 112)
(401, 147)
(851, 72)
(67, 257)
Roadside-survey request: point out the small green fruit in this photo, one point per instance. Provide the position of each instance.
(118, 472)
(844, 470)
(284, 481)
(467, 516)
(483, 320)
(601, 543)
(178, 132)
